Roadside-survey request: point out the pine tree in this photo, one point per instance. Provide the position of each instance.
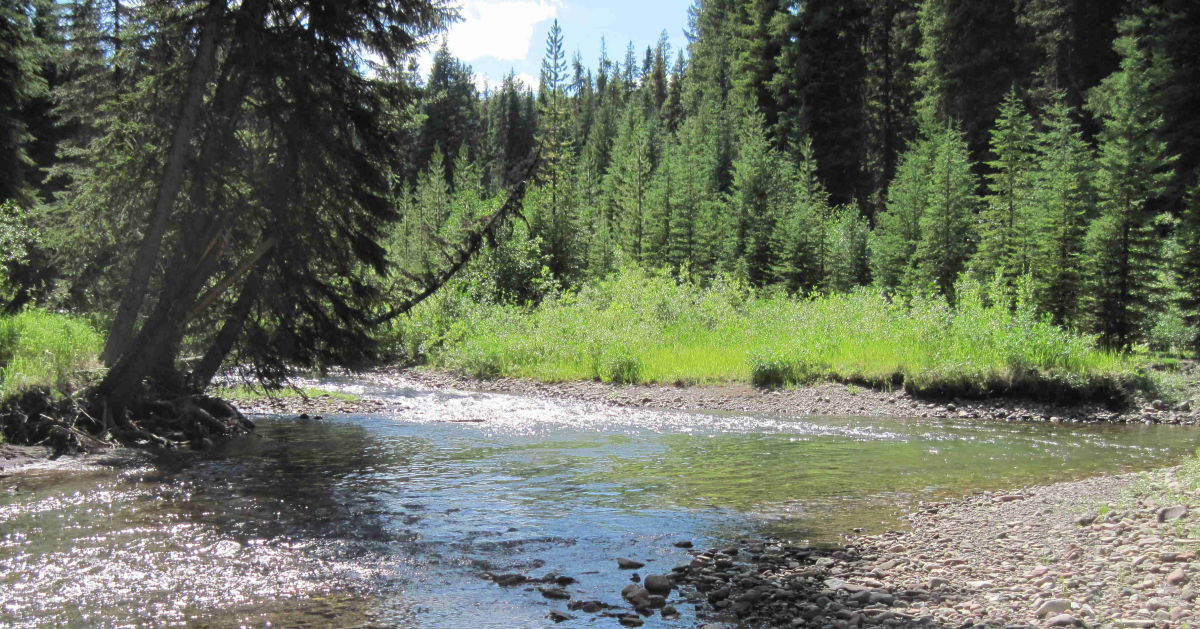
(1007, 235)
(800, 243)
(898, 230)
(754, 198)
(21, 56)
(1189, 261)
(946, 224)
(692, 160)
(1066, 198)
(627, 184)
(849, 250)
(1134, 171)
(557, 231)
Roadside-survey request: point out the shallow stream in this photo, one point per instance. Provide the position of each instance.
(388, 520)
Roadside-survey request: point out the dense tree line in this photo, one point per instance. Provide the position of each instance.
(819, 146)
(249, 174)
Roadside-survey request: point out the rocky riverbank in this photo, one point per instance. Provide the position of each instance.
(1110, 553)
(824, 399)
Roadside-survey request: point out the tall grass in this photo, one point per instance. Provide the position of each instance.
(39, 348)
(638, 327)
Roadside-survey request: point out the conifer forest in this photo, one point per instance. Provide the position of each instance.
(274, 183)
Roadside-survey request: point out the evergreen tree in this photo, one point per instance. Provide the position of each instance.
(695, 226)
(801, 241)
(754, 198)
(946, 224)
(1066, 199)
(1189, 261)
(557, 229)
(627, 184)
(448, 103)
(1134, 171)
(21, 56)
(898, 230)
(849, 250)
(1009, 225)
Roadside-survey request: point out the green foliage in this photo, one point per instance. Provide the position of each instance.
(947, 223)
(1066, 197)
(45, 349)
(927, 234)
(1188, 268)
(668, 331)
(1133, 172)
(801, 241)
(1010, 226)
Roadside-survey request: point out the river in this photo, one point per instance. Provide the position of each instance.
(389, 520)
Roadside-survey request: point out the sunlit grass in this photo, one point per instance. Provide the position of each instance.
(45, 349)
(649, 328)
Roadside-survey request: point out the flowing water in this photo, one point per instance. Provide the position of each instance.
(389, 520)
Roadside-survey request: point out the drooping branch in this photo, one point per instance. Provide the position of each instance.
(470, 245)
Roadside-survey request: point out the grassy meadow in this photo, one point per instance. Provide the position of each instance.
(639, 327)
(45, 349)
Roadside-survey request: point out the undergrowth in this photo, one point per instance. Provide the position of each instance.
(45, 349)
(639, 327)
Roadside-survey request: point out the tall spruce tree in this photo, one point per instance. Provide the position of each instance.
(1009, 226)
(1189, 261)
(754, 200)
(898, 228)
(558, 220)
(628, 185)
(22, 54)
(947, 234)
(1066, 198)
(801, 241)
(1134, 171)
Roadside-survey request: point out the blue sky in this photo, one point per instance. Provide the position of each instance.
(498, 35)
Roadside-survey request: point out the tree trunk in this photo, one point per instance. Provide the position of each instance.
(206, 370)
(121, 334)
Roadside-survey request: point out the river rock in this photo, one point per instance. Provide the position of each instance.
(683, 544)
(881, 597)
(558, 616)
(659, 584)
(1179, 577)
(1061, 620)
(632, 620)
(509, 580)
(1167, 514)
(669, 611)
(936, 583)
(1135, 623)
(1053, 606)
(1087, 519)
(555, 593)
(629, 564)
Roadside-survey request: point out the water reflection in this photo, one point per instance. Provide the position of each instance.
(388, 519)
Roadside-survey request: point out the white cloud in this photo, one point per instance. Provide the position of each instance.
(498, 28)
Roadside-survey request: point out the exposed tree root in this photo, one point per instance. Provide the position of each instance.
(88, 424)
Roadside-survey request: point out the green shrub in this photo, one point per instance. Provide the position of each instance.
(646, 327)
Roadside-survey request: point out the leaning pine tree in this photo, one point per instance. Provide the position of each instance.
(1134, 171)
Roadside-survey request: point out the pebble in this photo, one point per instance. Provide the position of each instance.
(629, 564)
(1053, 606)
